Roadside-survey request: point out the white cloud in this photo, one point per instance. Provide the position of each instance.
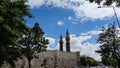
(51, 42)
(35, 3)
(86, 48)
(74, 22)
(92, 33)
(60, 23)
(76, 43)
(69, 18)
(81, 8)
(89, 49)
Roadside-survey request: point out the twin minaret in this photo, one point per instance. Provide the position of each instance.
(67, 42)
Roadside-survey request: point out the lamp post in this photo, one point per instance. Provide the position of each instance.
(115, 15)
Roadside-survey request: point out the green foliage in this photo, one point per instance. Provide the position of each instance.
(109, 60)
(12, 27)
(107, 2)
(110, 44)
(88, 61)
(83, 60)
(33, 42)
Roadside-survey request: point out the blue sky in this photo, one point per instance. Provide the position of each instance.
(81, 18)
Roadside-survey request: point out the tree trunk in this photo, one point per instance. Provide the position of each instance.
(29, 60)
(118, 66)
(29, 63)
(119, 63)
(29, 57)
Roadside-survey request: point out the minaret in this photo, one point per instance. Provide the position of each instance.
(67, 42)
(61, 43)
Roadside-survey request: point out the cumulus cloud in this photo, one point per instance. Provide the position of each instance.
(69, 18)
(76, 42)
(51, 42)
(35, 3)
(89, 49)
(60, 23)
(94, 32)
(81, 8)
(86, 48)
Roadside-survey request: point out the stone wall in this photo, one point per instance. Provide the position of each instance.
(19, 63)
(49, 59)
(54, 58)
(45, 59)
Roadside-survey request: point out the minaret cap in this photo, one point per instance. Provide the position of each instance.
(67, 36)
(61, 41)
(67, 32)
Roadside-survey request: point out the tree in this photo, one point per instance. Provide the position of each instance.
(110, 43)
(88, 61)
(12, 27)
(34, 42)
(107, 2)
(109, 61)
(83, 61)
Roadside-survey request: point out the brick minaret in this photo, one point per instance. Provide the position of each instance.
(67, 42)
(61, 43)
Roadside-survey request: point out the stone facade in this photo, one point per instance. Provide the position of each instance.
(19, 63)
(49, 59)
(56, 59)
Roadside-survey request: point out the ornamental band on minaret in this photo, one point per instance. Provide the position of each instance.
(61, 43)
(67, 42)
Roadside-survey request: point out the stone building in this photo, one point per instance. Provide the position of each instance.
(58, 58)
(52, 58)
